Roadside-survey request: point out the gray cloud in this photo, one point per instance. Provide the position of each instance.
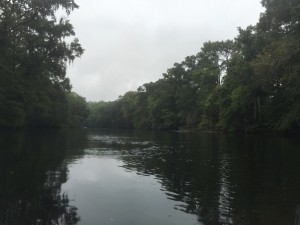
(129, 43)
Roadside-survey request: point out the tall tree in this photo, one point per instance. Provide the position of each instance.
(34, 55)
(277, 65)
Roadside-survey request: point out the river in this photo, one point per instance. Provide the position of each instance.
(103, 177)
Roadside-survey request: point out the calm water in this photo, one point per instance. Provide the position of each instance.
(103, 177)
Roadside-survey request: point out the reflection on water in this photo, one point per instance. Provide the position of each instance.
(113, 177)
(224, 193)
(223, 179)
(32, 169)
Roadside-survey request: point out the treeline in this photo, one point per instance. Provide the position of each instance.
(34, 53)
(249, 83)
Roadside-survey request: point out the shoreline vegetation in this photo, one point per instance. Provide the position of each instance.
(248, 84)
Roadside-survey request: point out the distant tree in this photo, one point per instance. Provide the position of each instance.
(77, 110)
(249, 83)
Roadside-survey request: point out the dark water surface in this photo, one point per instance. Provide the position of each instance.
(103, 177)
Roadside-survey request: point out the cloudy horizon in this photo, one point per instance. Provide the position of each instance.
(129, 43)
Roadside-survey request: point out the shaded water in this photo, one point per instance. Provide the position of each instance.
(92, 177)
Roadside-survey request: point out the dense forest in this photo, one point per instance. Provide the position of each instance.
(34, 54)
(248, 83)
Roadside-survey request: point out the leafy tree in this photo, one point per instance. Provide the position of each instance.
(34, 55)
(78, 110)
(276, 70)
(162, 105)
(104, 114)
(277, 65)
(249, 83)
(280, 18)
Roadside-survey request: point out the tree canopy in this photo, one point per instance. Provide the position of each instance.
(249, 83)
(34, 54)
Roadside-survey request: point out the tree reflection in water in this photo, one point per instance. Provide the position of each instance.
(189, 177)
(32, 170)
(223, 179)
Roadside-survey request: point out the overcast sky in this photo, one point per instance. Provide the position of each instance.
(131, 42)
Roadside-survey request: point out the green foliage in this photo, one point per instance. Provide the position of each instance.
(104, 114)
(77, 110)
(33, 61)
(251, 82)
